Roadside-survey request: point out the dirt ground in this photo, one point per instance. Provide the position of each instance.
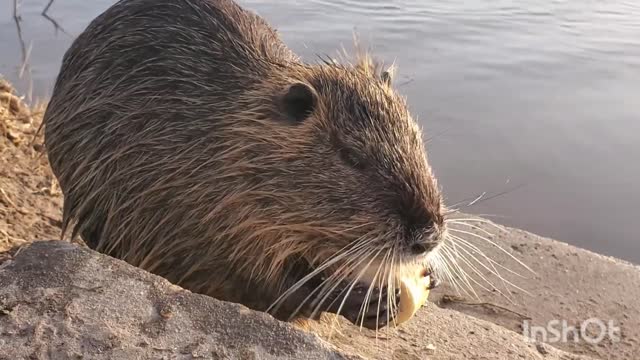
(567, 284)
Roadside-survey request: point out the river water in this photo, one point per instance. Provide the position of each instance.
(533, 104)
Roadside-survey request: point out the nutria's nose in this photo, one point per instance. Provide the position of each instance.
(425, 240)
(419, 248)
(422, 247)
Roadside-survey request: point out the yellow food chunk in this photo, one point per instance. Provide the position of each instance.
(414, 291)
(414, 288)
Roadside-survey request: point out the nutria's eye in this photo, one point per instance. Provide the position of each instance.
(352, 159)
(299, 102)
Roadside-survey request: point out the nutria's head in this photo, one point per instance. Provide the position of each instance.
(342, 169)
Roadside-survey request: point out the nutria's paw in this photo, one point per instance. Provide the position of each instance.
(434, 282)
(377, 312)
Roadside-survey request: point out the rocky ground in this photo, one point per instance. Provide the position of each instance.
(61, 301)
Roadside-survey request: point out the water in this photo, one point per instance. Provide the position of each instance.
(536, 98)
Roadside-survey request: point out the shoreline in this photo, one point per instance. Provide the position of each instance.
(570, 284)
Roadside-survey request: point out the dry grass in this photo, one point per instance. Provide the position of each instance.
(30, 200)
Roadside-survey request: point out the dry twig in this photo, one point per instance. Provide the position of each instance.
(458, 300)
(56, 25)
(7, 200)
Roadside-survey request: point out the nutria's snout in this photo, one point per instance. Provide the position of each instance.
(426, 230)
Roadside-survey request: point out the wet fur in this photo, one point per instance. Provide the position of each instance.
(166, 136)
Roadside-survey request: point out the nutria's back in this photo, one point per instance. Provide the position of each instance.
(188, 140)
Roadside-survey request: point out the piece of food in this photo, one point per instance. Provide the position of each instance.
(414, 281)
(414, 290)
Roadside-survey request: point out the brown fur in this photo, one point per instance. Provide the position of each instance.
(167, 133)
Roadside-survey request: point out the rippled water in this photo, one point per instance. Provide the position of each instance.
(536, 98)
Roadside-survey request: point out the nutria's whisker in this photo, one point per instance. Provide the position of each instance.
(462, 242)
(336, 278)
(473, 226)
(378, 282)
(441, 267)
(327, 286)
(311, 275)
(372, 255)
(465, 251)
(395, 264)
(358, 248)
(388, 271)
(481, 198)
(493, 287)
(387, 279)
(470, 221)
(451, 271)
(365, 304)
(494, 272)
(477, 199)
(474, 269)
(452, 257)
(344, 252)
(494, 244)
(344, 294)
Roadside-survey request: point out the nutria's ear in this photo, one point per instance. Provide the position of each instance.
(298, 102)
(387, 75)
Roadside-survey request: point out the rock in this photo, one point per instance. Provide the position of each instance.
(62, 301)
(542, 349)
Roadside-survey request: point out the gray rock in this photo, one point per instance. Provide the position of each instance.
(62, 301)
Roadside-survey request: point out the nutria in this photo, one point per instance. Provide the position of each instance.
(188, 140)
